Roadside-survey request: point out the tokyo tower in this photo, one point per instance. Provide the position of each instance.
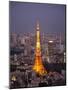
(38, 65)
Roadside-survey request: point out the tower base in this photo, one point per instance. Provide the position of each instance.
(38, 67)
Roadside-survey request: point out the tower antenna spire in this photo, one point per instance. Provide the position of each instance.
(38, 25)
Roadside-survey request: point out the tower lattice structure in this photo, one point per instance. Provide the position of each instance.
(38, 64)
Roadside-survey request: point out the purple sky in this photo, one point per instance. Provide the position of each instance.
(23, 17)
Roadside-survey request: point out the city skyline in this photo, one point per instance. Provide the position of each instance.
(24, 16)
(37, 45)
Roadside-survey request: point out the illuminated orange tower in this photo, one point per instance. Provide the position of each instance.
(38, 65)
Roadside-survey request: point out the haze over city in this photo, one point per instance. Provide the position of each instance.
(24, 16)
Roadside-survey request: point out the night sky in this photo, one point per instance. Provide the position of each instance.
(23, 17)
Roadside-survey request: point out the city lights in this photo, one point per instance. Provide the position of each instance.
(51, 41)
(13, 78)
(37, 45)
